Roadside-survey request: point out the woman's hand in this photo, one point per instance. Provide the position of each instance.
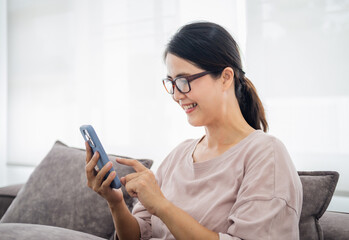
(143, 185)
(95, 179)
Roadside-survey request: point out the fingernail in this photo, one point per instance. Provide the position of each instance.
(122, 180)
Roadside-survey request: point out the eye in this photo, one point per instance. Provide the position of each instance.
(181, 81)
(182, 84)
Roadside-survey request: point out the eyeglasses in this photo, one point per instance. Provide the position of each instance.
(181, 82)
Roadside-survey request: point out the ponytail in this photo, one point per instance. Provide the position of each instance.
(250, 105)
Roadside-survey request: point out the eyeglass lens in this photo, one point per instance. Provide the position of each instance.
(181, 83)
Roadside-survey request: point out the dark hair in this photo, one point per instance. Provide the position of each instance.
(210, 47)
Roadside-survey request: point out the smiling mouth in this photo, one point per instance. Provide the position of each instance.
(189, 106)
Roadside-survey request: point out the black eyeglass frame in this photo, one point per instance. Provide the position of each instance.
(189, 79)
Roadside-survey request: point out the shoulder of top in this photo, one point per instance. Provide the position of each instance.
(181, 149)
(186, 143)
(265, 138)
(263, 145)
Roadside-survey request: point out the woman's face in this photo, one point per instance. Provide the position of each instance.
(203, 103)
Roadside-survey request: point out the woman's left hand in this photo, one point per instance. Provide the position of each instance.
(143, 185)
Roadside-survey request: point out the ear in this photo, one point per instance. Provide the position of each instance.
(227, 77)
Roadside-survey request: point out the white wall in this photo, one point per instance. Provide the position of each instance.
(3, 89)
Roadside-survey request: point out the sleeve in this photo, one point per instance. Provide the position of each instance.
(263, 219)
(141, 214)
(223, 236)
(269, 200)
(143, 218)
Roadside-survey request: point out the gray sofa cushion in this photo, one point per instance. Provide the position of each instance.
(318, 188)
(56, 194)
(335, 225)
(7, 194)
(20, 231)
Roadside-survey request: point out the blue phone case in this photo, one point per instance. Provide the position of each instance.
(90, 136)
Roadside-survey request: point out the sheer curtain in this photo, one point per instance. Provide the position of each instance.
(297, 55)
(98, 62)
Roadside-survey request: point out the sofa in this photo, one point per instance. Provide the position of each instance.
(55, 202)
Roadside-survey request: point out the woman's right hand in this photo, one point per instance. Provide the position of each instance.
(95, 178)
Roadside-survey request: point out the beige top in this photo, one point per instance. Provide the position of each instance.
(251, 191)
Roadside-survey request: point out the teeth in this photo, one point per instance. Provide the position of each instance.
(186, 107)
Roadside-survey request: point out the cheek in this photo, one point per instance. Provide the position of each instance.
(173, 98)
(212, 103)
(209, 95)
(206, 93)
(206, 103)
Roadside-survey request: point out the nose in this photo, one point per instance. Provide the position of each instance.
(177, 95)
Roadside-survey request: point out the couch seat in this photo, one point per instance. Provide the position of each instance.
(23, 231)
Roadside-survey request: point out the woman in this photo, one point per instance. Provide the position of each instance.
(236, 182)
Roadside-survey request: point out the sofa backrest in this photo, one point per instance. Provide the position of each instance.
(318, 189)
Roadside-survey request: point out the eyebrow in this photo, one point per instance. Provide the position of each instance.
(179, 75)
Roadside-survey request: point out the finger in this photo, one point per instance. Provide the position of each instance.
(102, 173)
(137, 166)
(128, 178)
(132, 176)
(90, 166)
(131, 189)
(109, 179)
(88, 152)
(123, 181)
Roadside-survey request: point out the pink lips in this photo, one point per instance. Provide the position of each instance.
(188, 108)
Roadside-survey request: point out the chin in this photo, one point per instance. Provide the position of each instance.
(195, 122)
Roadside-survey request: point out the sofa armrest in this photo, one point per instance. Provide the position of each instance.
(7, 194)
(335, 225)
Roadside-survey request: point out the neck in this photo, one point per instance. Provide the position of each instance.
(225, 136)
(228, 131)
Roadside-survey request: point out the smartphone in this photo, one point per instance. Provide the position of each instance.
(89, 134)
